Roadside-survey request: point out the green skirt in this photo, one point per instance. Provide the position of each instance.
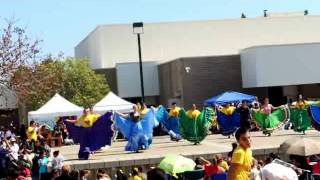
(300, 119)
(270, 122)
(195, 130)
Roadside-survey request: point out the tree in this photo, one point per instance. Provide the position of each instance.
(16, 49)
(35, 86)
(82, 85)
(72, 78)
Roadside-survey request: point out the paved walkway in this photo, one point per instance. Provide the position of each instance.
(115, 156)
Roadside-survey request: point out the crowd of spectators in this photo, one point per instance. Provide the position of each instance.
(26, 153)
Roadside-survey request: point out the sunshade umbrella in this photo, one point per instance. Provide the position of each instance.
(300, 146)
(174, 164)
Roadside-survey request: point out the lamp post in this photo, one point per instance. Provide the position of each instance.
(138, 29)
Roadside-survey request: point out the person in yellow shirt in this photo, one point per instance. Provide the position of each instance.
(227, 109)
(32, 131)
(221, 162)
(174, 111)
(86, 119)
(301, 103)
(144, 110)
(241, 162)
(193, 112)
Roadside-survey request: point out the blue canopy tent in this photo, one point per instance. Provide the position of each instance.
(229, 97)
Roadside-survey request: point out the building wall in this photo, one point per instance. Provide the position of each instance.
(111, 77)
(280, 65)
(111, 44)
(206, 77)
(90, 48)
(170, 81)
(128, 79)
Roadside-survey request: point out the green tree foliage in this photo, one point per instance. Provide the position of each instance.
(72, 78)
(82, 85)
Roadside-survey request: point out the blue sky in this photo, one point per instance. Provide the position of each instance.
(62, 24)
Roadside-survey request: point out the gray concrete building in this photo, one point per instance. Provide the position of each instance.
(275, 56)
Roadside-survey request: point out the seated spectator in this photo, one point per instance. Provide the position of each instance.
(141, 173)
(211, 168)
(24, 169)
(156, 173)
(255, 171)
(301, 162)
(74, 174)
(84, 174)
(135, 174)
(65, 173)
(57, 161)
(13, 148)
(25, 152)
(120, 175)
(198, 164)
(102, 175)
(221, 162)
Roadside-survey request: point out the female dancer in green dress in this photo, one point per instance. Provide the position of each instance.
(270, 118)
(299, 116)
(195, 129)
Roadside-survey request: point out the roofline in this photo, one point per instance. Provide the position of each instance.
(277, 45)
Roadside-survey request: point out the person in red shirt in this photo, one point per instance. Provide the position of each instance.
(211, 168)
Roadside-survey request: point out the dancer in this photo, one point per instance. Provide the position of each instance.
(244, 112)
(193, 112)
(269, 117)
(137, 130)
(170, 123)
(92, 131)
(195, 129)
(299, 116)
(315, 114)
(228, 119)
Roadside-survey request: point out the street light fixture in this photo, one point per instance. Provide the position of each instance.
(138, 29)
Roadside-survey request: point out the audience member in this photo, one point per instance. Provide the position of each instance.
(141, 173)
(57, 161)
(242, 156)
(255, 171)
(211, 168)
(156, 173)
(65, 173)
(120, 175)
(84, 174)
(43, 163)
(221, 162)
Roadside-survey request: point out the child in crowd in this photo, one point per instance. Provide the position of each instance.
(57, 161)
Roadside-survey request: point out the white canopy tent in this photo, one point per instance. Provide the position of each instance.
(57, 106)
(112, 102)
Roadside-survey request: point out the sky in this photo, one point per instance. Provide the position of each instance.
(62, 24)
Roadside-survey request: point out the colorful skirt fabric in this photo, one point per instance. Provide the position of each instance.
(228, 123)
(315, 115)
(300, 119)
(195, 130)
(270, 122)
(95, 137)
(138, 133)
